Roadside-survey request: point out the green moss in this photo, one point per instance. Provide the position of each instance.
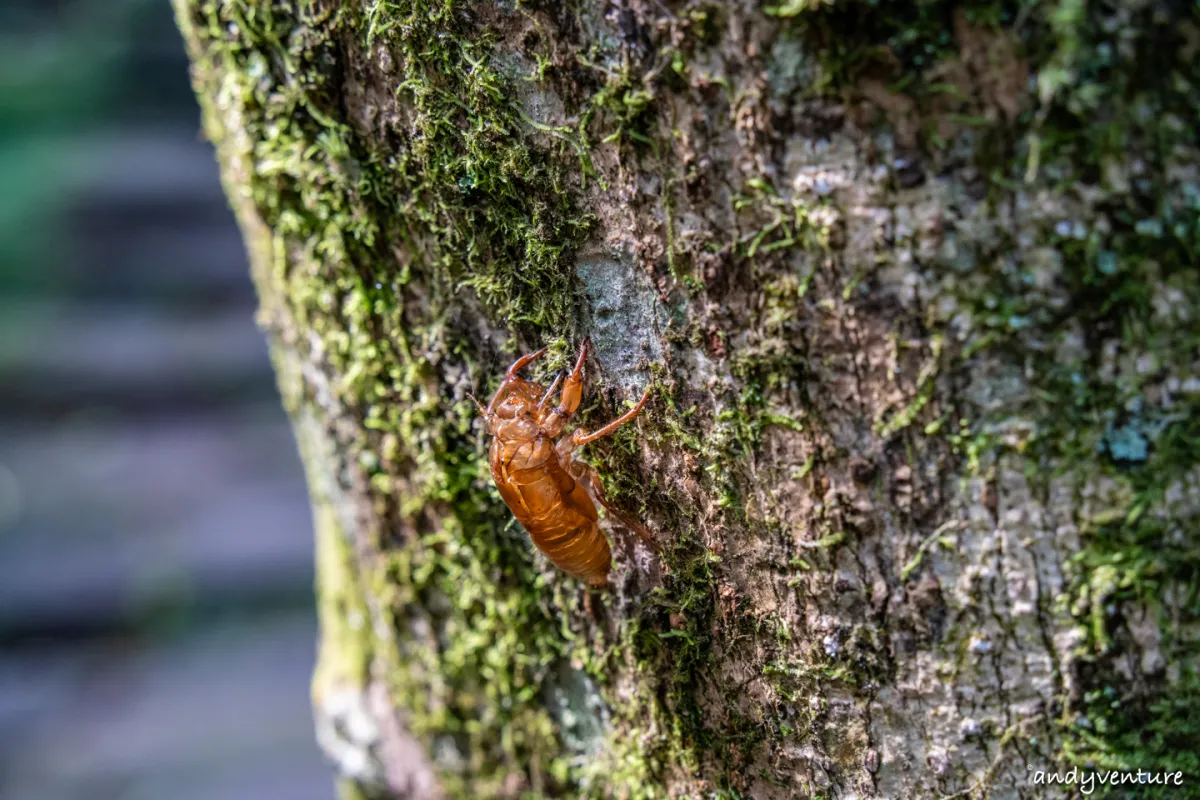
(349, 790)
(1116, 125)
(1159, 736)
(779, 224)
(460, 188)
(672, 635)
(474, 205)
(624, 104)
(346, 640)
(1113, 122)
(900, 40)
(501, 211)
(479, 630)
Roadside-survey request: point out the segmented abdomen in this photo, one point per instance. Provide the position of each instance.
(560, 518)
(582, 552)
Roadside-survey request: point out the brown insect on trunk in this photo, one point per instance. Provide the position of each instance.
(552, 494)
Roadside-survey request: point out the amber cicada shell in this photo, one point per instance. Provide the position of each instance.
(550, 492)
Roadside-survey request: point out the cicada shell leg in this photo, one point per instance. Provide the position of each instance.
(587, 475)
(553, 422)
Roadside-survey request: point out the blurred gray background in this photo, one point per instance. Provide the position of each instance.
(156, 624)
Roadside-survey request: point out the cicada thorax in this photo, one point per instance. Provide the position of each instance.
(553, 506)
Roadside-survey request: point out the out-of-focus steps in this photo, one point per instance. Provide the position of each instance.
(156, 613)
(218, 714)
(107, 525)
(57, 357)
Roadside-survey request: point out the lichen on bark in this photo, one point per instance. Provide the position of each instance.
(921, 337)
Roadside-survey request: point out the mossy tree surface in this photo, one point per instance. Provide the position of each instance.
(915, 287)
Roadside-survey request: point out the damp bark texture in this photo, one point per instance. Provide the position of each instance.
(914, 287)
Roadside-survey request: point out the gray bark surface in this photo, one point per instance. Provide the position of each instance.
(914, 291)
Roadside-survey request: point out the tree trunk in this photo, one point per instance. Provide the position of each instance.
(914, 287)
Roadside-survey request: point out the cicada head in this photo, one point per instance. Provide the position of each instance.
(512, 414)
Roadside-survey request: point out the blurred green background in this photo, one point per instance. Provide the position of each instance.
(156, 631)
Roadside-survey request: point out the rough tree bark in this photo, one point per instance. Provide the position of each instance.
(915, 287)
